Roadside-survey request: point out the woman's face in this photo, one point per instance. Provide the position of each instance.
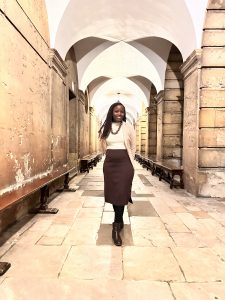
(118, 113)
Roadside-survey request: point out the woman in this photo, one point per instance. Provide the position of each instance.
(118, 143)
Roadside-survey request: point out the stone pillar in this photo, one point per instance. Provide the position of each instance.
(59, 110)
(173, 108)
(212, 103)
(73, 126)
(159, 100)
(147, 131)
(138, 135)
(152, 127)
(83, 123)
(92, 131)
(143, 130)
(191, 70)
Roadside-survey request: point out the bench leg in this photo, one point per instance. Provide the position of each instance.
(66, 187)
(171, 182)
(181, 181)
(43, 208)
(4, 266)
(161, 175)
(153, 170)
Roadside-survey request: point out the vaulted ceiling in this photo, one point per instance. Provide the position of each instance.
(122, 47)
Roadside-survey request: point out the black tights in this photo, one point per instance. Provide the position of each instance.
(118, 213)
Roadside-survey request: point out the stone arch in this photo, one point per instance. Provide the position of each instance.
(172, 123)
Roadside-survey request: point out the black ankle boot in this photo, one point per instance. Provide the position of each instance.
(116, 234)
(121, 225)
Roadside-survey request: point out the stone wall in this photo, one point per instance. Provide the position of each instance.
(34, 108)
(25, 108)
(212, 103)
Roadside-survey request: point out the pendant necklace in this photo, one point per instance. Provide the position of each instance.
(117, 129)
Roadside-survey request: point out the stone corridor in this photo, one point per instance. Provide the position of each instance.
(173, 246)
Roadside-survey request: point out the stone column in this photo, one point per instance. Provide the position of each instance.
(83, 119)
(59, 109)
(143, 130)
(147, 131)
(159, 148)
(72, 129)
(173, 108)
(212, 103)
(138, 135)
(92, 130)
(191, 70)
(152, 128)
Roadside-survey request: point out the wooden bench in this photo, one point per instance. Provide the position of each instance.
(89, 161)
(146, 161)
(165, 169)
(42, 184)
(168, 170)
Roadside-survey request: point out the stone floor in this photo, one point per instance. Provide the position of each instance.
(173, 246)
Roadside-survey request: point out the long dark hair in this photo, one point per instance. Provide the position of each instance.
(106, 126)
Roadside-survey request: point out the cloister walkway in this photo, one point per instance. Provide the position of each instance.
(173, 246)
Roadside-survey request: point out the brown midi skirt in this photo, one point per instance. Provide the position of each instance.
(118, 176)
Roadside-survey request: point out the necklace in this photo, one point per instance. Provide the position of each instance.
(117, 129)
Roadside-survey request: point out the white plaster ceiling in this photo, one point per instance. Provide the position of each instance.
(115, 39)
(121, 60)
(119, 89)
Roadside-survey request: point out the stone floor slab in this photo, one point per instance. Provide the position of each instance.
(146, 223)
(35, 261)
(91, 262)
(93, 193)
(93, 202)
(72, 289)
(200, 264)
(95, 212)
(173, 223)
(83, 232)
(105, 235)
(199, 291)
(144, 180)
(150, 263)
(186, 239)
(142, 208)
(157, 238)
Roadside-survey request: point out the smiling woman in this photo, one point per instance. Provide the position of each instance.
(118, 143)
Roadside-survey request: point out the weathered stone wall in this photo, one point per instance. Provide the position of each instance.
(212, 103)
(173, 107)
(25, 109)
(36, 11)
